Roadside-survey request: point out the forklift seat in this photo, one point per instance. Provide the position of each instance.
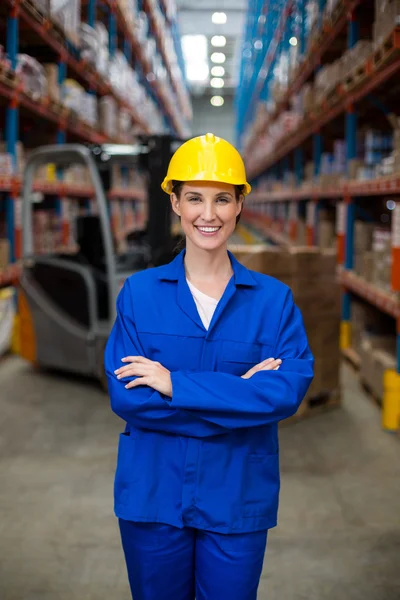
(91, 251)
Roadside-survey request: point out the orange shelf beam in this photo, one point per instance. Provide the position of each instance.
(376, 187)
(387, 302)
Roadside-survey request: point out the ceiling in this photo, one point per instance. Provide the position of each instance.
(195, 18)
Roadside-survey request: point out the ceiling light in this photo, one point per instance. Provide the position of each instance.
(219, 18)
(390, 204)
(218, 71)
(197, 71)
(195, 52)
(194, 47)
(217, 82)
(218, 57)
(258, 44)
(293, 41)
(218, 41)
(217, 101)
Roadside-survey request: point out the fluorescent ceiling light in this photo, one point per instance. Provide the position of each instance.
(217, 82)
(194, 47)
(218, 41)
(195, 52)
(258, 44)
(217, 101)
(218, 57)
(293, 41)
(218, 71)
(219, 18)
(197, 71)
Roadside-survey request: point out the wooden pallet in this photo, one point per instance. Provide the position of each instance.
(388, 51)
(316, 405)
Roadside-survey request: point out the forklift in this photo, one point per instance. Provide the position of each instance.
(67, 302)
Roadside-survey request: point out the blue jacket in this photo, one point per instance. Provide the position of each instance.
(208, 457)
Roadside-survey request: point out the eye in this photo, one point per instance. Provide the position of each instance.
(223, 200)
(194, 199)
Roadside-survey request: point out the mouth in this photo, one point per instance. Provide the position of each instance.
(207, 231)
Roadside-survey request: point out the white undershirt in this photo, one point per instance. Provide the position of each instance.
(205, 305)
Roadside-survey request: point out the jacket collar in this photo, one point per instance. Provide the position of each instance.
(173, 270)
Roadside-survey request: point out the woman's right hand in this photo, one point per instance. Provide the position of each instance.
(270, 364)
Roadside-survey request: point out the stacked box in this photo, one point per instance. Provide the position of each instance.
(362, 245)
(365, 319)
(4, 253)
(378, 354)
(326, 234)
(311, 275)
(382, 251)
(53, 87)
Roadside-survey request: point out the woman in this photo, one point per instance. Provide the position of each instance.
(192, 364)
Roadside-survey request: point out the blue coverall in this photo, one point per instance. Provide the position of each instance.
(204, 463)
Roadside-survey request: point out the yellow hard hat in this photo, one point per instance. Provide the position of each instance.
(206, 158)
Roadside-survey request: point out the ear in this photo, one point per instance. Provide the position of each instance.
(239, 205)
(175, 203)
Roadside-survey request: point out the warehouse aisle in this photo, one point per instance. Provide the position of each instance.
(339, 534)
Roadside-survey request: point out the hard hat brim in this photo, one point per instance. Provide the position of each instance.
(167, 184)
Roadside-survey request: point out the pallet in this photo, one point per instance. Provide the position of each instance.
(352, 358)
(370, 392)
(316, 405)
(388, 51)
(356, 78)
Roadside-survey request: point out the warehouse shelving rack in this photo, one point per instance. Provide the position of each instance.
(267, 212)
(24, 16)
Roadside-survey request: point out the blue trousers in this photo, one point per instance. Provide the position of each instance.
(167, 563)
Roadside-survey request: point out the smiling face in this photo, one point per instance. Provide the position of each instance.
(208, 212)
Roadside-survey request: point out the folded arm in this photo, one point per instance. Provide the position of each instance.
(268, 396)
(142, 406)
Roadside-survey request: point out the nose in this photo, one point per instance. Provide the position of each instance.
(208, 213)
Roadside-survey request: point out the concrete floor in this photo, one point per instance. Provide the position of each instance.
(339, 533)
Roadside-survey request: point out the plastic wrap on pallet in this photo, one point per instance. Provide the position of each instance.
(108, 115)
(32, 75)
(67, 14)
(81, 102)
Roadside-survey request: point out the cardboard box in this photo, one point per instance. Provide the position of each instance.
(53, 88)
(4, 253)
(326, 234)
(363, 233)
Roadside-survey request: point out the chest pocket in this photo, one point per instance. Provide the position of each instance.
(238, 357)
(172, 351)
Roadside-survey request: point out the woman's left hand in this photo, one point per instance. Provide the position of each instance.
(148, 372)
